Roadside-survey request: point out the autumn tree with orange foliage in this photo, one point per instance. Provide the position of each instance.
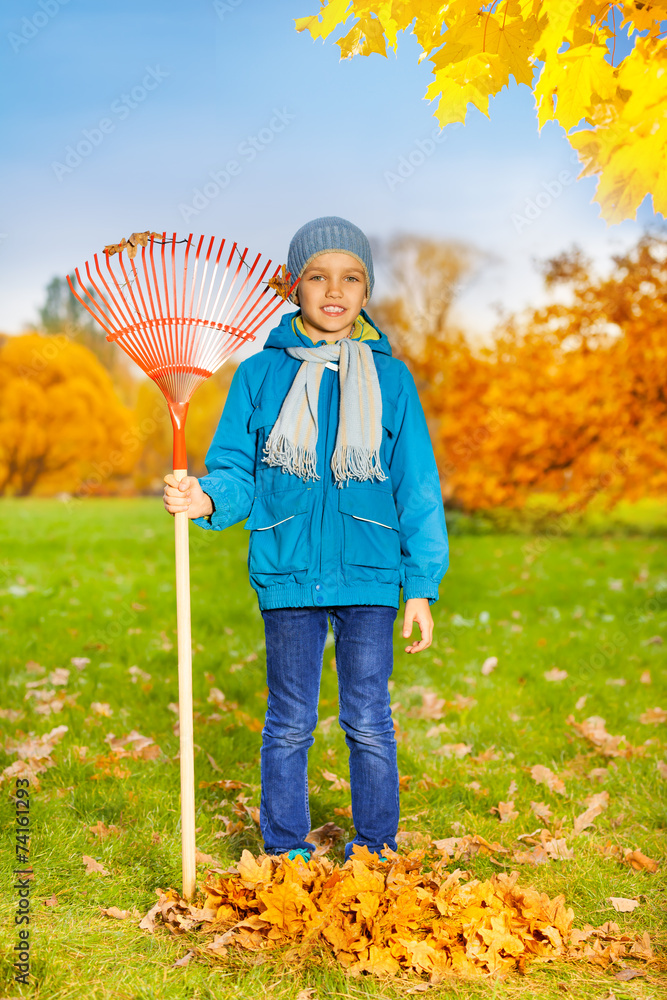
(60, 313)
(569, 399)
(60, 418)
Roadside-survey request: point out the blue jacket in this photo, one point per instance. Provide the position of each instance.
(312, 542)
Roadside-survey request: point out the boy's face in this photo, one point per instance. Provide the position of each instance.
(331, 294)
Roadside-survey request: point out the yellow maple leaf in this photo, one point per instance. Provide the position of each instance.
(644, 17)
(577, 79)
(472, 81)
(332, 15)
(284, 905)
(512, 37)
(380, 961)
(363, 880)
(363, 39)
(627, 147)
(253, 874)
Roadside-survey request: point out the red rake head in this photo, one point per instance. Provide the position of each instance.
(178, 311)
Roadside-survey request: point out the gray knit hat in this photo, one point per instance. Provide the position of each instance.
(330, 234)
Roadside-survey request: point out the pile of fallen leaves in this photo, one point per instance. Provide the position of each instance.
(388, 919)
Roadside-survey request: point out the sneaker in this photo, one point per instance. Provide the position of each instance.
(299, 852)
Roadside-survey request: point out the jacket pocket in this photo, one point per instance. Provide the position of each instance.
(389, 416)
(265, 413)
(278, 536)
(370, 528)
(269, 478)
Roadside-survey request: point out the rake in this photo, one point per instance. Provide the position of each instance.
(179, 309)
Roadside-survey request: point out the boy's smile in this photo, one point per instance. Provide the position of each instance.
(331, 294)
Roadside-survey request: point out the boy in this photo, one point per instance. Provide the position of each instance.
(308, 425)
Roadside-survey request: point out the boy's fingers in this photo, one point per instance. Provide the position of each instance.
(172, 509)
(417, 646)
(180, 484)
(426, 629)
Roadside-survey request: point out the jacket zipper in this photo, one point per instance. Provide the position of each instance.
(267, 526)
(359, 518)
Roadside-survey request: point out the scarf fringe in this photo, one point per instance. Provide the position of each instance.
(354, 461)
(360, 416)
(298, 460)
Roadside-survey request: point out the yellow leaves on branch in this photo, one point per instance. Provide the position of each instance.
(628, 146)
(565, 51)
(388, 919)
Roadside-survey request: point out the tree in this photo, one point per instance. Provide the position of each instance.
(569, 399)
(564, 50)
(425, 276)
(62, 426)
(62, 313)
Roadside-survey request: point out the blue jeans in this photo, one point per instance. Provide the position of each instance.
(295, 637)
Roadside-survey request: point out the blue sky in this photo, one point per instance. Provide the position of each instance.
(160, 96)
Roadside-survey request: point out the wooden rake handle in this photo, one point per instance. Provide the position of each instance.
(185, 722)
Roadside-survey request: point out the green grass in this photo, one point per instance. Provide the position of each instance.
(547, 514)
(95, 579)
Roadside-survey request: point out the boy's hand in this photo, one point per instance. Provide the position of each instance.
(186, 496)
(417, 609)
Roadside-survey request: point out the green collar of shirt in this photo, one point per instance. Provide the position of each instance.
(360, 331)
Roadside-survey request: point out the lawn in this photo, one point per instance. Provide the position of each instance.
(87, 588)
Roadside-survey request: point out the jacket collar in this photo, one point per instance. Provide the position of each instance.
(287, 334)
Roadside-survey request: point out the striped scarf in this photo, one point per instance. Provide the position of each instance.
(293, 438)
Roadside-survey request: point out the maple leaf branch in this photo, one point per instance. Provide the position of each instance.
(600, 21)
(488, 15)
(613, 21)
